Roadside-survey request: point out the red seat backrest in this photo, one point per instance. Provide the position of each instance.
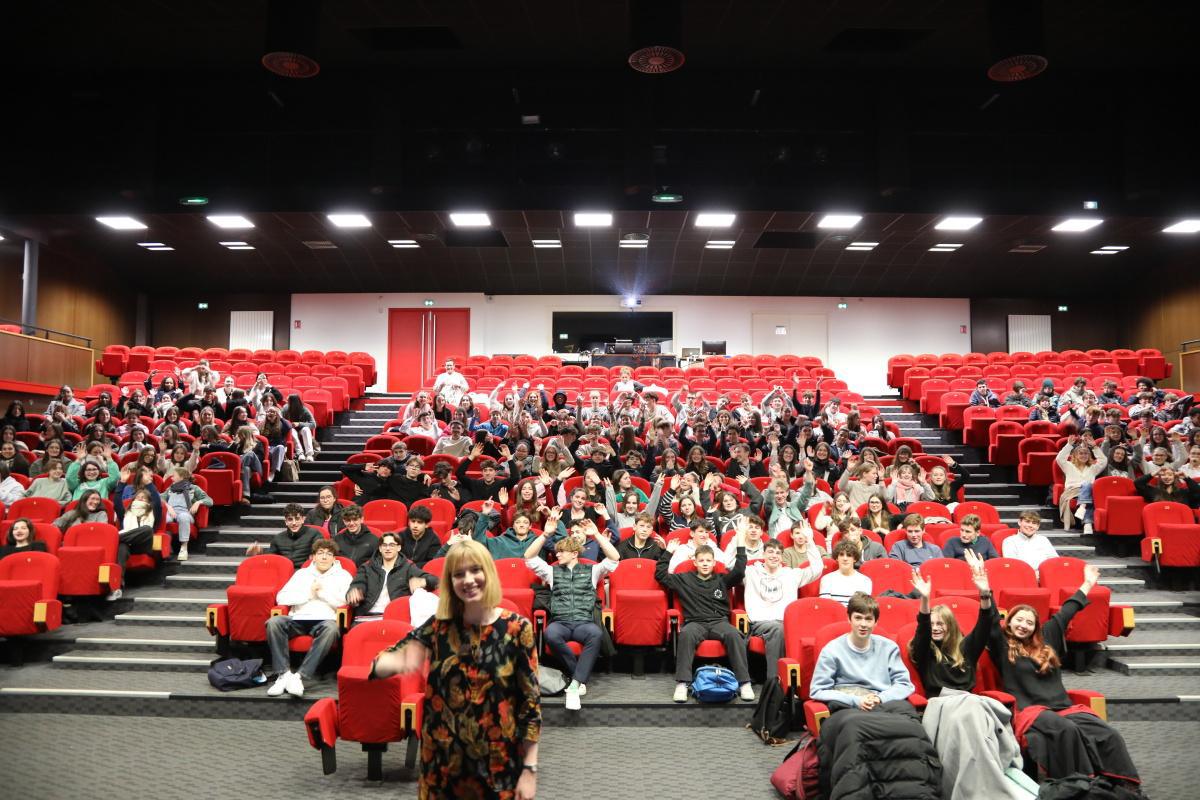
(94, 534)
(32, 566)
(267, 570)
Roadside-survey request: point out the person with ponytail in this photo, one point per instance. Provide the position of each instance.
(1060, 737)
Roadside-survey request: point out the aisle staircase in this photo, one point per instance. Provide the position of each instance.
(151, 658)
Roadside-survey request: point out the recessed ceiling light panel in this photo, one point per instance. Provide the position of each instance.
(231, 221)
(839, 220)
(593, 219)
(714, 219)
(349, 220)
(958, 223)
(122, 223)
(470, 219)
(1184, 226)
(1076, 225)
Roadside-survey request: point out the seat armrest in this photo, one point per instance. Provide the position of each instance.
(47, 614)
(789, 675)
(411, 709)
(606, 615)
(1121, 621)
(280, 611)
(741, 621)
(1004, 698)
(345, 618)
(321, 723)
(673, 620)
(917, 701)
(216, 619)
(815, 712)
(1093, 700)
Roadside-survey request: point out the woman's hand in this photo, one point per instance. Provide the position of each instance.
(978, 573)
(1091, 576)
(526, 785)
(923, 585)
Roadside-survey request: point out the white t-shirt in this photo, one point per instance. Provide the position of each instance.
(451, 386)
(836, 586)
(1032, 550)
(384, 598)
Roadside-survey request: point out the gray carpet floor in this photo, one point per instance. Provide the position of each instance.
(230, 760)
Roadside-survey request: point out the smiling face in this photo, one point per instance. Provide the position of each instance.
(294, 522)
(468, 582)
(705, 564)
(21, 533)
(862, 625)
(1022, 624)
(874, 504)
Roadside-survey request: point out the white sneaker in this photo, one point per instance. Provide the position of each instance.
(183, 554)
(582, 689)
(115, 596)
(746, 692)
(1087, 527)
(1080, 513)
(280, 685)
(681, 693)
(572, 699)
(295, 686)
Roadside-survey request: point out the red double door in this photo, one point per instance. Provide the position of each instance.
(419, 342)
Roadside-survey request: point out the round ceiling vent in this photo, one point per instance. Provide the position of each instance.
(290, 65)
(656, 59)
(1017, 68)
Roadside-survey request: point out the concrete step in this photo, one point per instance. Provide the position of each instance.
(203, 644)
(135, 660)
(1153, 643)
(209, 565)
(1155, 620)
(219, 582)
(169, 603)
(1156, 665)
(162, 618)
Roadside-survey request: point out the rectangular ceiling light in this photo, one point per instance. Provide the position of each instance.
(958, 223)
(714, 219)
(1076, 225)
(862, 246)
(349, 220)
(157, 247)
(719, 244)
(470, 219)
(161, 249)
(1117, 247)
(593, 219)
(232, 221)
(860, 249)
(1028, 248)
(319, 244)
(122, 223)
(1184, 226)
(236, 245)
(634, 243)
(944, 248)
(839, 221)
(1105, 252)
(151, 244)
(403, 244)
(543, 244)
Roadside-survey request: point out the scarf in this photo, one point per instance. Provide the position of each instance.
(180, 487)
(907, 491)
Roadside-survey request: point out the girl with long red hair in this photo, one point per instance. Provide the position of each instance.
(1060, 737)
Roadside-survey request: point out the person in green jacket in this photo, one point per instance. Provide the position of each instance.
(93, 473)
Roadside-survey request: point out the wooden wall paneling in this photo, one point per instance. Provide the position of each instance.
(1168, 313)
(175, 320)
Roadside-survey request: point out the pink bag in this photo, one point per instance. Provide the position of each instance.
(798, 777)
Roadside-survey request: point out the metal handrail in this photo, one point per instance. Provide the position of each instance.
(29, 330)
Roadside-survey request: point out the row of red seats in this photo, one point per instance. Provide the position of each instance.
(739, 360)
(348, 377)
(118, 358)
(646, 374)
(1147, 361)
(709, 390)
(919, 382)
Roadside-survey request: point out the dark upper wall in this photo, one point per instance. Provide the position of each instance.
(1167, 314)
(1086, 325)
(175, 319)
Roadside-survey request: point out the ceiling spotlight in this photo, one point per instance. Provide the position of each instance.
(667, 197)
(1091, 205)
(470, 219)
(843, 306)
(713, 219)
(839, 221)
(1184, 226)
(233, 221)
(958, 223)
(122, 223)
(593, 219)
(349, 220)
(1076, 225)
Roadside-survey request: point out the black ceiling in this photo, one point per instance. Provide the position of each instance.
(804, 105)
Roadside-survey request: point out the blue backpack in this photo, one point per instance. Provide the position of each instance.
(714, 684)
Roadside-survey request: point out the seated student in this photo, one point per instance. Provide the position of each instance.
(983, 396)
(1169, 485)
(89, 508)
(868, 548)
(782, 508)
(294, 542)
(371, 481)
(868, 483)
(1044, 409)
(705, 597)
(356, 541)
(513, 542)
(21, 539)
(942, 655)
(906, 488)
(702, 536)
(644, 543)
(454, 443)
(1061, 738)
(573, 604)
(184, 500)
(969, 541)
(90, 473)
(770, 586)
(755, 543)
(314, 593)
(913, 549)
(384, 577)
(861, 670)
(418, 542)
(11, 489)
(802, 545)
(1018, 397)
(1028, 545)
(847, 581)
(488, 486)
(876, 518)
(410, 485)
(326, 515)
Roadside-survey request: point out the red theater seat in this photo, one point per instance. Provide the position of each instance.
(243, 618)
(29, 587)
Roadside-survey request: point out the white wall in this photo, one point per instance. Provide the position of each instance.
(861, 338)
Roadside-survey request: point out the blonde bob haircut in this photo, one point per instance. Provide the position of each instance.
(467, 553)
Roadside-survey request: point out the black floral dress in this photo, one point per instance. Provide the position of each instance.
(481, 702)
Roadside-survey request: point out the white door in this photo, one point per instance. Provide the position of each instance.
(794, 334)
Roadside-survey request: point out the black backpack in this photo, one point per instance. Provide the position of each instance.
(234, 673)
(1077, 786)
(772, 720)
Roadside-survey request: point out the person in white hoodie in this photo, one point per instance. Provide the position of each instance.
(770, 586)
(314, 594)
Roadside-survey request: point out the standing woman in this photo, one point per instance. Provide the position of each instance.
(482, 714)
(1060, 737)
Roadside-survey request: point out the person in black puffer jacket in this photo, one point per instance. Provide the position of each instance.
(867, 755)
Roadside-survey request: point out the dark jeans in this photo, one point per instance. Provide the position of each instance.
(588, 634)
(139, 540)
(694, 633)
